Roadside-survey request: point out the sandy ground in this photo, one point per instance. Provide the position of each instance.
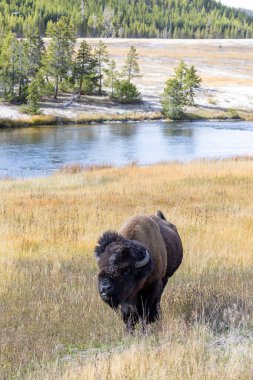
(225, 66)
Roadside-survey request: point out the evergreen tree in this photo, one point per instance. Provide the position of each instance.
(173, 99)
(112, 77)
(131, 67)
(35, 49)
(102, 57)
(84, 65)
(188, 80)
(9, 66)
(139, 18)
(35, 92)
(181, 72)
(179, 91)
(60, 50)
(22, 70)
(192, 83)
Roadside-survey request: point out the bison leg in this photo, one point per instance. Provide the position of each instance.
(130, 317)
(149, 307)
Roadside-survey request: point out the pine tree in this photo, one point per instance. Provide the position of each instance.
(192, 83)
(35, 92)
(22, 70)
(181, 72)
(8, 66)
(131, 67)
(35, 49)
(179, 91)
(60, 50)
(84, 65)
(102, 57)
(173, 99)
(167, 18)
(112, 77)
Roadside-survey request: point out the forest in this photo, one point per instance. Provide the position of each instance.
(28, 70)
(127, 18)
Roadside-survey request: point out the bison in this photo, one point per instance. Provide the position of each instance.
(135, 265)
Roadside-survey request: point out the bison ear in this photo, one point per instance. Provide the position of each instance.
(107, 238)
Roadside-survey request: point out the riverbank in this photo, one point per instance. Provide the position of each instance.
(197, 114)
(225, 67)
(40, 120)
(53, 323)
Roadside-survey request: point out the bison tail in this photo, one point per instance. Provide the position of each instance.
(160, 215)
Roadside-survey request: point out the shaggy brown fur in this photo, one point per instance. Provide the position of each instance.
(138, 289)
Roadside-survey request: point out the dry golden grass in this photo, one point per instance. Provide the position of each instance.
(77, 168)
(53, 324)
(218, 62)
(226, 81)
(85, 118)
(180, 49)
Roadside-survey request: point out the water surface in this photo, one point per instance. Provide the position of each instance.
(39, 151)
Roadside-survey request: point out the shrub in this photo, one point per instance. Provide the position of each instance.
(211, 101)
(66, 85)
(30, 109)
(233, 114)
(48, 89)
(126, 92)
(89, 86)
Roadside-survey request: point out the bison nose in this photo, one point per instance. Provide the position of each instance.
(105, 288)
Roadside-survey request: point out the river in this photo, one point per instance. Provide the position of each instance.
(30, 152)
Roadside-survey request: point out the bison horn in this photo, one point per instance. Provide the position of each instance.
(143, 262)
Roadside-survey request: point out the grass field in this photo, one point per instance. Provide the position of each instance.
(53, 324)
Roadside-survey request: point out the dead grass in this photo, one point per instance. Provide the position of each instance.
(77, 168)
(226, 81)
(85, 118)
(53, 324)
(216, 114)
(126, 116)
(211, 50)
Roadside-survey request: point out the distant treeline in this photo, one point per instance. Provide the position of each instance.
(129, 18)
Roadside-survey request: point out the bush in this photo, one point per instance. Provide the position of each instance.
(66, 85)
(30, 109)
(126, 92)
(233, 114)
(48, 89)
(89, 86)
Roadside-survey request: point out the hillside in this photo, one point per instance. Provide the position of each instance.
(139, 18)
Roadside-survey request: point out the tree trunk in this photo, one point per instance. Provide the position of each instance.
(80, 86)
(13, 79)
(56, 87)
(100, 82)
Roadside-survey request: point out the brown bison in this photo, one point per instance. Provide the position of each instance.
(135, 265)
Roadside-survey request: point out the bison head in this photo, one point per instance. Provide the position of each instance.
(124, 266)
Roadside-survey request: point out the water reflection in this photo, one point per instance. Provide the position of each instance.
(178, 130)
(127, 130)
(28, 152)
